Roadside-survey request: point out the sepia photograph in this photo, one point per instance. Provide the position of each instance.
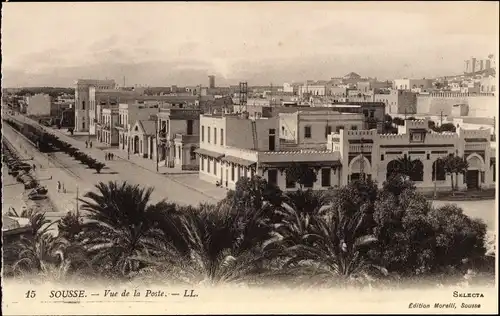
(249, 157)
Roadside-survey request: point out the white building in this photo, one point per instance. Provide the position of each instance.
(233, 146)
(85, 103)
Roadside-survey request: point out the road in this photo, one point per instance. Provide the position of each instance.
(164, 188)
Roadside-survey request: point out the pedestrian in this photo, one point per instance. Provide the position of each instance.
(86, 144)
(90, 144)
(63, 188)
(112, 156)
(106, 156)
(58, 186)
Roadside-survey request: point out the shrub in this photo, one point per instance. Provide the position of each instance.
(98, 166)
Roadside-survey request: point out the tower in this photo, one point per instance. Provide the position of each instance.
(211, 82)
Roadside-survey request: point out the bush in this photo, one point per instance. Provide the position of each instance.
(98, 166)
(415, 238)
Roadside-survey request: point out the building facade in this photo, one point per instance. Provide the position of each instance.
(233, 146)
(413, 84)
(106, 127)
(85, 103)
(178, 132)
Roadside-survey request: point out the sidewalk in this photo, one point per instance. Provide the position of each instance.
(189, 179)
(187, 190)
(48, 173)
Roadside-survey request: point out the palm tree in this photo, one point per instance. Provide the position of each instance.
(218, 244)
(335, 245)
(120, 226)
(406, 166)
(41, 251)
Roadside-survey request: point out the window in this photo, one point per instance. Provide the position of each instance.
(202, 163)
(282, 129)
(190, 127)
(215, 136)
(215, 167)
(83, 105)
(232, 172)
(354, 127)
(325, 177)
(272, 176)
(202, 133)
(494, 173)
(209, 161)
(482, 177)
(272, 131)
(328, 130)
(372, 112)
(83, 125)
(381, 157)
(222, 137)
(307, 132)
(208, 134)
(179, 151)
(289, 182)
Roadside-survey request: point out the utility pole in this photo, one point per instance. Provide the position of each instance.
(157, 138)
(362, 164)
(77, 210)
(435, 177)
(128, 145)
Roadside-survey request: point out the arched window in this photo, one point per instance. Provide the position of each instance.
(417, 172)
(438, 173)
(392, 168)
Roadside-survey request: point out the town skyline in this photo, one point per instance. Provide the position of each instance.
(160, 44)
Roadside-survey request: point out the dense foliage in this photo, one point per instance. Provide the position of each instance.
(355, 233)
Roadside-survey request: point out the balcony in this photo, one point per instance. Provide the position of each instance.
(185, 139)
(120, 126)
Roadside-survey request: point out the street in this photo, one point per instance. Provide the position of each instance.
(164, 188)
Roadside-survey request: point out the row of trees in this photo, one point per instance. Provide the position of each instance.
(257, 234)
(46, 141)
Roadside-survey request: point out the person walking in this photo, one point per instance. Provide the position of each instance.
(63, 188)
(86, 144)
(90, 144)
(112, 156)
(58, 186)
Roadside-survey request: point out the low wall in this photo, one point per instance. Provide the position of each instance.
(481, 106)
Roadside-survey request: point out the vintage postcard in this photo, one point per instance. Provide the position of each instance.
(249, 158)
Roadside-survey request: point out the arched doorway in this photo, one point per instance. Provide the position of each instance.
(474, 174)
(360, 166)
(136, 144)
(392, 169)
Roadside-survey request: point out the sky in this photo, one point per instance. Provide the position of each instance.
(161, 43)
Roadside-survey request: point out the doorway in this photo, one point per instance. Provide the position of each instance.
(472, 178)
